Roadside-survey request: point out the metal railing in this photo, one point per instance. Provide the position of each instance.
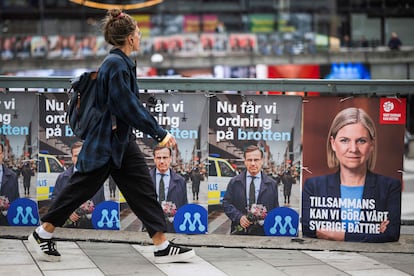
(215, 85)
(346, 88)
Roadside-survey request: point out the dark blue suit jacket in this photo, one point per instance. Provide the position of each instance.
(235, 201)
(63, 180)
(177, 190)
(9, 188)
(384, 190)
(9, 184)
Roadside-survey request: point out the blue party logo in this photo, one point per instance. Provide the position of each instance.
(106, 216)
(191, 219)
(23, 212)
(282, 221)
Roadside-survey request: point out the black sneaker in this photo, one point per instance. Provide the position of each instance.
(45, 248)
(173, 253)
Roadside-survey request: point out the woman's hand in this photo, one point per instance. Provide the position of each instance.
(168, 141)
(171, 143)
(330, 235)
(383, 226)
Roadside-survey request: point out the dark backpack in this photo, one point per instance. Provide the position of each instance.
(82, 113)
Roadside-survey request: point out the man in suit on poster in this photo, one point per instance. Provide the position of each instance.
(9, 187)
(78, 219)
(173, 186)
(251, 186)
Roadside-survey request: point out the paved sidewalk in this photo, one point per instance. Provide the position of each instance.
(91, 252)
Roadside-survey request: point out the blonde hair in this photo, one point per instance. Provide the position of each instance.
(117, 26)
(346, 117)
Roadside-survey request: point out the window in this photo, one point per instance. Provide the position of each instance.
(212, 171)
(42, 165)
(55, 167)
(226, 170)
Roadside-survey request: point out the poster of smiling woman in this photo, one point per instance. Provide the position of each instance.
(352, 159)
(19, 144)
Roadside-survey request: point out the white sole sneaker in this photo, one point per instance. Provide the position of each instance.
(37, 243)
(175, 258)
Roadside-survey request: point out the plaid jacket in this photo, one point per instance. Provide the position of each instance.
(118, 95)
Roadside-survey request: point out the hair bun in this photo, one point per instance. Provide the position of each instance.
(115, 13)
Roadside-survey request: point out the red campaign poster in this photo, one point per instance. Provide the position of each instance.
(393, 111)
(352, 162)
(294, 71)
(242, 43)
(191, 24)
(184, 115)
(18, 158)
(258, 136)
(160, 44)
(210, 22)
(56, 159)
(188, 44)
(169, 44)
(212, 43)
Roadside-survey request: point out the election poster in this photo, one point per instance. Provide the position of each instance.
(352, 163)
(182, 192)
(255, 139)
(18, 159)
(57, 157)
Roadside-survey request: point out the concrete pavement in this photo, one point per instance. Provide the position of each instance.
(92, 252)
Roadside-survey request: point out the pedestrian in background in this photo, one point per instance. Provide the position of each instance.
(27, 173)
(110, 149)
(287, 181)
(195, 177)
(394, 43)
(346, 42)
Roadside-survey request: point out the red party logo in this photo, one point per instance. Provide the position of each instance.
(393, 111)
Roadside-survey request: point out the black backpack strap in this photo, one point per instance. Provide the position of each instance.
(113, 118)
